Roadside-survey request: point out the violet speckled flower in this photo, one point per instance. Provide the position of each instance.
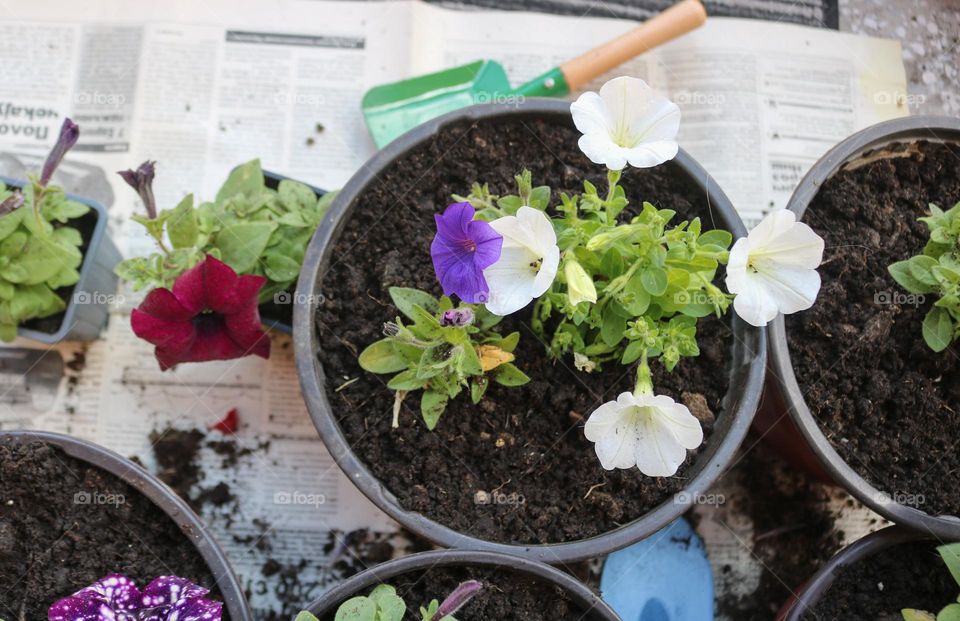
(461, 250)
(116, 598)
(457, 317)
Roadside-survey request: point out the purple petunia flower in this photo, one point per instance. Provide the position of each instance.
(461, 250)
(116, 598)
(457, 317)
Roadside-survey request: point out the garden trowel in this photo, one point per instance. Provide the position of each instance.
(392, 109)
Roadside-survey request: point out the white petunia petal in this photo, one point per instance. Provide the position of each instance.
(589, 114)
(793, 289)
(755, 304)
(511, 280)
(528, 261)
(648, 155)
(601, 150)
(658, 454)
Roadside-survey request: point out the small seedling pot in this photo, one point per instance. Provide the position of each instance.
(88, 301)
(745, 368)
(269, 315)
(594, 608)
(785, 418)
(163, 497)
(810, 594)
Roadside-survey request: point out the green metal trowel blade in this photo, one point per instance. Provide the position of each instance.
(392, 109)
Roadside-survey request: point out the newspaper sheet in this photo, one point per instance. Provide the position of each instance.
(201, 87)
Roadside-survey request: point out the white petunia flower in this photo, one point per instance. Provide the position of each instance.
(626, 123)
(528, 261)
(651, 432)
(774, 269)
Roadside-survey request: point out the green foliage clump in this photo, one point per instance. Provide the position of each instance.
(250, 227)
(39, 253)
(936, 271)
(383, 604)
(951, 612)
(626, 290)
(441, 358)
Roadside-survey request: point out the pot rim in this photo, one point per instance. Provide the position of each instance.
(89, 257)
(382, 573)
(748, 349)
(819, 584)
(164, 498)
(908, 129)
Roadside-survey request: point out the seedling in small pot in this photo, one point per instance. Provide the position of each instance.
(167, 598)
(936, 272)
(39, 251)
(606, 289)
(383, 604)
(245, 247)
(951, 556)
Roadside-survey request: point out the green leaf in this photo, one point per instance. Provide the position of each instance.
(507, 374)
(182, 224)
(950, 613)
(937, 329)
(432, 405)
(632, 352)
(477, 389)
(613, 326)
(470, 361)
(406, 298)
(242, 243)
(246, 179)
(390, 607)
(382, 357)
(296, 196)
(654, 280)
(306, 616)
(509, 342)
(902, 273)
(910, 614)
(406, 380)
(950, 554)
(281, 268)
(921, 269)
(357, 609)
(716, 237)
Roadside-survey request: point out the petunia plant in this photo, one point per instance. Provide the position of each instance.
(167, 598)
(936, 271)
(441, 350)
(40, 253)
(612, 285)
(254, 229)
(951, 612)
(383, 604)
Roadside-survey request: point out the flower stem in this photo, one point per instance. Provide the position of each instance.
(644, 379)
(613, 177)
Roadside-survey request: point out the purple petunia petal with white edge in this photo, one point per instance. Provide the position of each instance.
(112, 598)
(461, 250)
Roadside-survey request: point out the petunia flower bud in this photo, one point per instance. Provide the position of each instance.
(69, 134)
(580, 286)
(458, 317)
(141, 180)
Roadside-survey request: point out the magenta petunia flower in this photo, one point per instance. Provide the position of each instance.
(116, 598)
(211, 314)
(461, 250)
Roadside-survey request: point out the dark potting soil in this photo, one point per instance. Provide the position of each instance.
(505, 596)
(876, 589)
(85, 224)
(794, 532)
(65, 524)
(523, 449)
(889, 405)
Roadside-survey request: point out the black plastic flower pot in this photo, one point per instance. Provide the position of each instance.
(230, 591)
(744, 371)
(785, 414)
(278, 314)
(589, 603)
(808, 596)
(88, 301)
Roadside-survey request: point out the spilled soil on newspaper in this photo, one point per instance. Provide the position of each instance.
(516, 467)
(505, 596)
(887, 402)
(65, 524)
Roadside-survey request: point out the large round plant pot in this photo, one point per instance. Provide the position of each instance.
(737, 367)
(849, 567)
(496, 571)
(225, 586)
(799, 433)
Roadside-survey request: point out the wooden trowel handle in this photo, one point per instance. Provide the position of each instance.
(675, 21)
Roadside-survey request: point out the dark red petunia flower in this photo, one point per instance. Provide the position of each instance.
(211, 314)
